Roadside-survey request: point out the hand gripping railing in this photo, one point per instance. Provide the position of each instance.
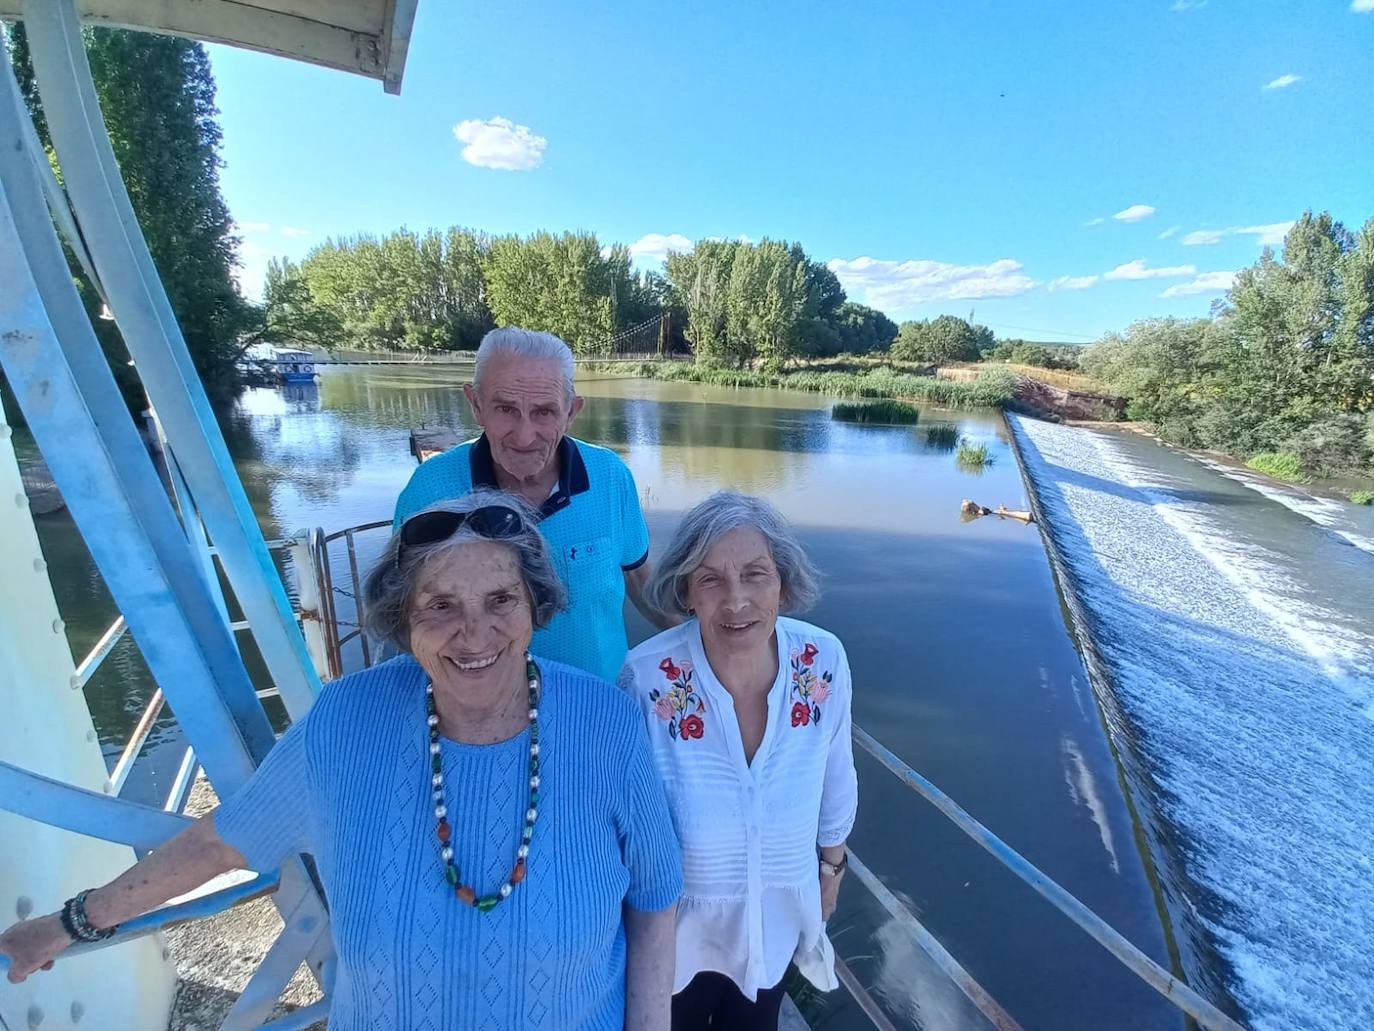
(1178, 993)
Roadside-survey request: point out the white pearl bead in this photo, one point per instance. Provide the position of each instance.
(534, 782)
(447, 853)
(505, 890)
(434, 721)
(534, 749)
(438, 780)
(441, 811)
(434, 748)
(532, 815)
(522, 851)
(534, 714)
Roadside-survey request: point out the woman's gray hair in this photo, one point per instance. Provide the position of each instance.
(705, 524)
(390, 586)
(524, 343)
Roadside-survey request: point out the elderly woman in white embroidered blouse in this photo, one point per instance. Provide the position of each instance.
(749, 716)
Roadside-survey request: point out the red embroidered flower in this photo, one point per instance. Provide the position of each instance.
(691, 726)
(801, 714)
(809, 653)
(669, 670)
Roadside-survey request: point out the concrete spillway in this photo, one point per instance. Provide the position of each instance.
(1236, 634)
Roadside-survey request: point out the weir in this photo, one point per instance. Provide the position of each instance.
(164, 554)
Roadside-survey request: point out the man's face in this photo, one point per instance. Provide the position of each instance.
(523, 407)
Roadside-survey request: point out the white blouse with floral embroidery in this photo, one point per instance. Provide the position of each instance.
(749, 831)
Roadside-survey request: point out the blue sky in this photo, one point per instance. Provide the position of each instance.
(1058, 168)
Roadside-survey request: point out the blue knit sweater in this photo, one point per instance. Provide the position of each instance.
(350, 784)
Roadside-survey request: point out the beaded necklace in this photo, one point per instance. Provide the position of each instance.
(466, 893)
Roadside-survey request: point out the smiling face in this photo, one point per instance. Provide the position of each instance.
(523, 407)
(736, 593)
(471, 621)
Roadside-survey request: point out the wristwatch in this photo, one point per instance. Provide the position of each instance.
(835, 869)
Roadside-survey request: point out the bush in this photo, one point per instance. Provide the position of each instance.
(1335, 444)
(1282, 465)
(1362, 497)
(942, 437)
(891, 412)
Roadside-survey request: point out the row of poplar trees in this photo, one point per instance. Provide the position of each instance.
(734, 302)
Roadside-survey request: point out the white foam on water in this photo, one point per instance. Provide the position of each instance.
(1247, 709)
(1326, 513)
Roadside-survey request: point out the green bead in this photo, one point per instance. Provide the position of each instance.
(487, 903)
(437, 762)
(451, 875)
(534, 796)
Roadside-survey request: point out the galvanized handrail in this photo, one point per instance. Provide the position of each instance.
(1180, 994)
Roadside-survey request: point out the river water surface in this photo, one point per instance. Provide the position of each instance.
(964, 664)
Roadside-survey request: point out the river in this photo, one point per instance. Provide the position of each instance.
(963, 659)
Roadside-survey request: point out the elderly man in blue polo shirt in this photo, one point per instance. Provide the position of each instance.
(522, 396)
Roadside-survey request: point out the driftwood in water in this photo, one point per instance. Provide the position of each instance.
(428, 441)
(969, 510)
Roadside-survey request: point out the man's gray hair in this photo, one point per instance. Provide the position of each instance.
(389, 589)
(524, 343)
(705, 524)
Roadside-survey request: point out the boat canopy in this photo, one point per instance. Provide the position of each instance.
(366, 37)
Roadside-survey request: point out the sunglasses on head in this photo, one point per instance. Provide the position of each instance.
(495, 521)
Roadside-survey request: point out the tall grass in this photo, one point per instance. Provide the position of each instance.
(1362, 497)
(1282, 465)
(991, 390)
(942, 437)
(971, 457)
(884, 411)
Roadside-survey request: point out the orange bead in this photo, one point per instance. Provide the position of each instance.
(467, 894)
(444, 831)
(518, 874)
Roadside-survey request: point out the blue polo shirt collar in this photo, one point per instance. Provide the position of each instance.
(572, 473)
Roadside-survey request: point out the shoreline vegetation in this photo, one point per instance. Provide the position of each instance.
(992, 389)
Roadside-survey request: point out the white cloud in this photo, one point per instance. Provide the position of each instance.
(1270, 235)
(255, 227)
(1361, 6)
(1188, 5)
(1206, 283)
(1134, 213)
(894, 285)
(656, 246)
(1094, 221)
(1169, 232)
(1072, 282)
(1139, 270)
(294, 231)
(500, 143)
(1282, 82)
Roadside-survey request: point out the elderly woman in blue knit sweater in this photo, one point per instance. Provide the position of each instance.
(485, 824)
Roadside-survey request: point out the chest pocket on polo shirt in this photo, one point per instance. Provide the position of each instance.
(587, 568)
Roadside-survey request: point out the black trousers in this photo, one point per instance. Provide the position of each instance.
(712, 1001)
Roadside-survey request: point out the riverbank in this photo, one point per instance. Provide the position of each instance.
(993, 389)
(1238, 664)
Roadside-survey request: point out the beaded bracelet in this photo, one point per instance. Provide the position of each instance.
(77, 924)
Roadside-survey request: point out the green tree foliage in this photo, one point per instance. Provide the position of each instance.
(862, 330)
(759, 303)
(404, 291)
(157, 95)
(564, 284)
(1286, 365)
(1029, 352)
(944, 339)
